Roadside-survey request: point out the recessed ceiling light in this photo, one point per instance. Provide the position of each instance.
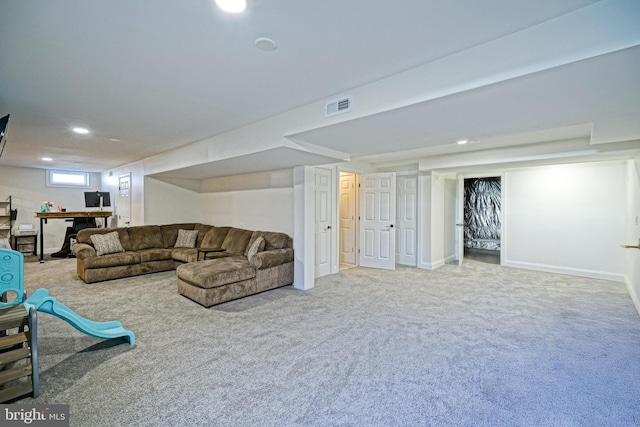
(462, 142)
(47, 159)
(265, 44)
(232, 6)
(81, 131)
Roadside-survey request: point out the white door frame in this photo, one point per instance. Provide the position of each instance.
(459, 219)
(357, 173)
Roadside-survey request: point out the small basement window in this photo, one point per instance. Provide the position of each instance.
(58, 178)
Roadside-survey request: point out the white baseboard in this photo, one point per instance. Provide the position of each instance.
(431, 265)
(593, 274)
(449, 259)
(632, 294)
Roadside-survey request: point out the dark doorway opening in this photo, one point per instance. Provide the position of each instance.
(483, 219)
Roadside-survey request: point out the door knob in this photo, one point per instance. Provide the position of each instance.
(328, 227)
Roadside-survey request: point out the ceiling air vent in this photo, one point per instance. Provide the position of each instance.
(338, 106)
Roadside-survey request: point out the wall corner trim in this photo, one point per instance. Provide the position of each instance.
(634, 297)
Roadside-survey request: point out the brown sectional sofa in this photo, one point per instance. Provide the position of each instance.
(232, 273)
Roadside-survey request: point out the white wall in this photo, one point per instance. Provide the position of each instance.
(167, 204)
(567, 219)
(28, 188)
(632, 231)
(260, 201)
(268, 209)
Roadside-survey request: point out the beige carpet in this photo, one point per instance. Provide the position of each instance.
(477, 345)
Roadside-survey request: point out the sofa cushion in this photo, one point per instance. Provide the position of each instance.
(215, 237)
(237, 241)
(145, 237)
(274, 240)
(84, 236)
(211, 274)
(154, 254)
(108, 243)
(203, 229)
(271, 258)
(170, 233)
(112, 260)
(186, 239)
(184, 254)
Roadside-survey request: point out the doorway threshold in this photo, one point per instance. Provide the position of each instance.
(483, 255)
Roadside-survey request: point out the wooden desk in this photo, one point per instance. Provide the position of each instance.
(44, 216)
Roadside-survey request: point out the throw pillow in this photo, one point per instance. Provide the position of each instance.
(186, 239)
(108, 243)
(256, 246)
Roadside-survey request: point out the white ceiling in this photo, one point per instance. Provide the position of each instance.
(595, 90)
(158, 75)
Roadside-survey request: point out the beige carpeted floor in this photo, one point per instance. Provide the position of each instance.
(477, 345)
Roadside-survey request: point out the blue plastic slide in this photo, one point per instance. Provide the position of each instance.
(41, 301)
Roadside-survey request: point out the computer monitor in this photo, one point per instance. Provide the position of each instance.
(92, 199)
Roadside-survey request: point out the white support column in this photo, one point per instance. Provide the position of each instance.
(303, 227)
(431, 223)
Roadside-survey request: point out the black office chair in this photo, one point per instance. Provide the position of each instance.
(78, 224)
(82, 223)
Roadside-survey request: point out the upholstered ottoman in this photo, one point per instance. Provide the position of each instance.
(215, 281)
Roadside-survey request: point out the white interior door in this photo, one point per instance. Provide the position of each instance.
(323, 232)
(347, 218)
(407, 227)
(377, 220)
(124, 200)
(460, 219)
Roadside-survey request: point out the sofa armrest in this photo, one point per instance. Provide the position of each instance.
(83, 250)
(271, 258)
